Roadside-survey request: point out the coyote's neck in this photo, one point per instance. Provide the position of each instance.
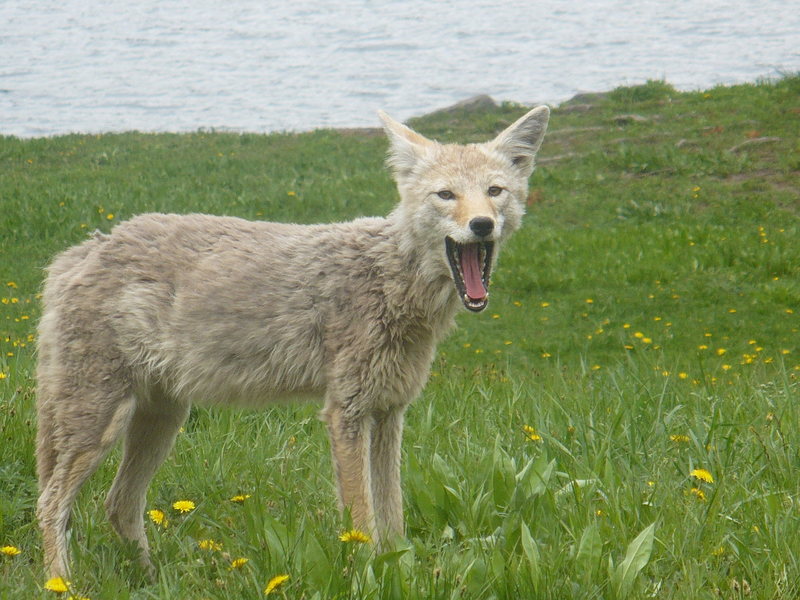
(416, 280)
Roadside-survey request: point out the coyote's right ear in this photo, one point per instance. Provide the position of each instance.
(406, 146)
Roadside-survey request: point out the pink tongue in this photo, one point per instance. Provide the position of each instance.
(470, 265)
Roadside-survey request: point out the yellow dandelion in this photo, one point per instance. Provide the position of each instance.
(683, 375)
(544, 304)
(2, 375)
(110, 216)
(679, 438)
(238, 499)
(158, 517)
(11, 284)
(57, 585)
(10, 550)
(589, 301)
(211, 545)
(698, 493)
(531, 434)
(238, 563)
(184, 506)
(356, 536)
(275, 583)
(702, 475)
(721, 351)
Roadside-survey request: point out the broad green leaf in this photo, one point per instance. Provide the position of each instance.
(531, 552)
(532, 480)
(503, 477)
(636, 557)
(590, 547)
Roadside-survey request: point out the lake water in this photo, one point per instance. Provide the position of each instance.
(261, 65)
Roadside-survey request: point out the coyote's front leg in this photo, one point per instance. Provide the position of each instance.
(387, 493)
(351, 440)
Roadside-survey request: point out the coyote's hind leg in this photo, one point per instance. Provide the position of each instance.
(81, 430)
(148, 440)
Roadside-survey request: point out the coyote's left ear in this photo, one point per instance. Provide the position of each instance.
(520, 141)
(406, 146)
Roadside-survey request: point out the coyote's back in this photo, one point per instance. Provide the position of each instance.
(170, 310)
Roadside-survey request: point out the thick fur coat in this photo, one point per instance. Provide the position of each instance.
(170, 310)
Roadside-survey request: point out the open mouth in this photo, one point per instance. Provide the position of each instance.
(471, 265)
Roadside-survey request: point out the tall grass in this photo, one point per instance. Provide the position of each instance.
(642, 336)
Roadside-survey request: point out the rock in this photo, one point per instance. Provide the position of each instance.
(474, 104)
(586, 98)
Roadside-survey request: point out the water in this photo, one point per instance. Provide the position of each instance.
(261, 65)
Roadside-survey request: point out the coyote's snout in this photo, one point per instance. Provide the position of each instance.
(168, 310)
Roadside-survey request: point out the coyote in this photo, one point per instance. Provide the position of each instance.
(168, 310)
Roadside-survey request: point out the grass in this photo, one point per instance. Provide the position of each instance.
(643, 324)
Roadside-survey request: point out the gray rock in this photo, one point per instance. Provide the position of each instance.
(474, 104)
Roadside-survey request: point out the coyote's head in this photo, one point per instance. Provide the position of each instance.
(459, 203)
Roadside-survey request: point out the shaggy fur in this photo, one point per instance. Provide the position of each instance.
(168, 310)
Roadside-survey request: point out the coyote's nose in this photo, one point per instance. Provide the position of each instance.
(481, 226)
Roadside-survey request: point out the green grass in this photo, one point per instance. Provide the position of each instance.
(643, 323)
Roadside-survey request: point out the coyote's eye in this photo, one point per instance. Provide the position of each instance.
(495, 190)
(446, 195)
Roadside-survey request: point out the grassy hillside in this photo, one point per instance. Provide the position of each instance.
(643, 327)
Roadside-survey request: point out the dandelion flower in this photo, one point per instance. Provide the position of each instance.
(211, 545)
(356, 536)
(239, 498)
(700, 494)
(238, 563)
(10, 550)
(275, 583)
(57, 585)
(183, 506)
(158, 517)
(531, 434)
(702, 475)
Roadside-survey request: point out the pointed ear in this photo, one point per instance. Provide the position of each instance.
(406, 146)
(521, 141)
